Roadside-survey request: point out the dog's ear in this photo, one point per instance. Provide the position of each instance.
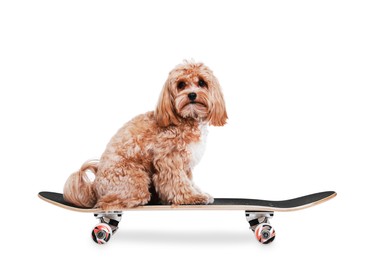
(165, 113)
(218, 113)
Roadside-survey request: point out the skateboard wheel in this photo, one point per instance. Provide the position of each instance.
(102, 233)
(265, 233)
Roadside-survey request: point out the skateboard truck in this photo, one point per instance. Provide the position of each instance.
(107, 227)
(258, 220)
(259, 224)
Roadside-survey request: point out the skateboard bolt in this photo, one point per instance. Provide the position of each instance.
(101, 234)
(265, 234)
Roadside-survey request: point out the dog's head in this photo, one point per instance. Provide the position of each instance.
(191, 92)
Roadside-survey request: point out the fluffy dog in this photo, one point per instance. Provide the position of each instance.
(156, 152)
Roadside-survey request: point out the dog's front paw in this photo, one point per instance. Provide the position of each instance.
(210, 198)
(195, 199)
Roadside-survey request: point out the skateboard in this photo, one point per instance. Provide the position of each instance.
(258, 212)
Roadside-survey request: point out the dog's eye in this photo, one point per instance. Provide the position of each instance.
(181, 85)
(202, 83)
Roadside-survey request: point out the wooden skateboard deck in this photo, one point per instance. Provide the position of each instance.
(219, 203)
(258, 212)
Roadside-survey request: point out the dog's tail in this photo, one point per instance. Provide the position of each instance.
(78, 188)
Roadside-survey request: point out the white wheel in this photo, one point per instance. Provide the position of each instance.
(265, 233)
(102, 233)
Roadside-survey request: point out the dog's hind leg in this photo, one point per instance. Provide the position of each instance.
(126, 190)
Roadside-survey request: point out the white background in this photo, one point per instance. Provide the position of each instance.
(297, 79)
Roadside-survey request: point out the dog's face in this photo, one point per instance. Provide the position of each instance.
(191, 92)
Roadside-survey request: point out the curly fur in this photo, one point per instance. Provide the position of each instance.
(156, 151)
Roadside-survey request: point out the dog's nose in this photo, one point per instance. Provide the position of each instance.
(192, 96)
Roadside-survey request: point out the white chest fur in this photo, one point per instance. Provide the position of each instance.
(197, 149)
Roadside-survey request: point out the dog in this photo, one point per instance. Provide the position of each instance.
(152, 156)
